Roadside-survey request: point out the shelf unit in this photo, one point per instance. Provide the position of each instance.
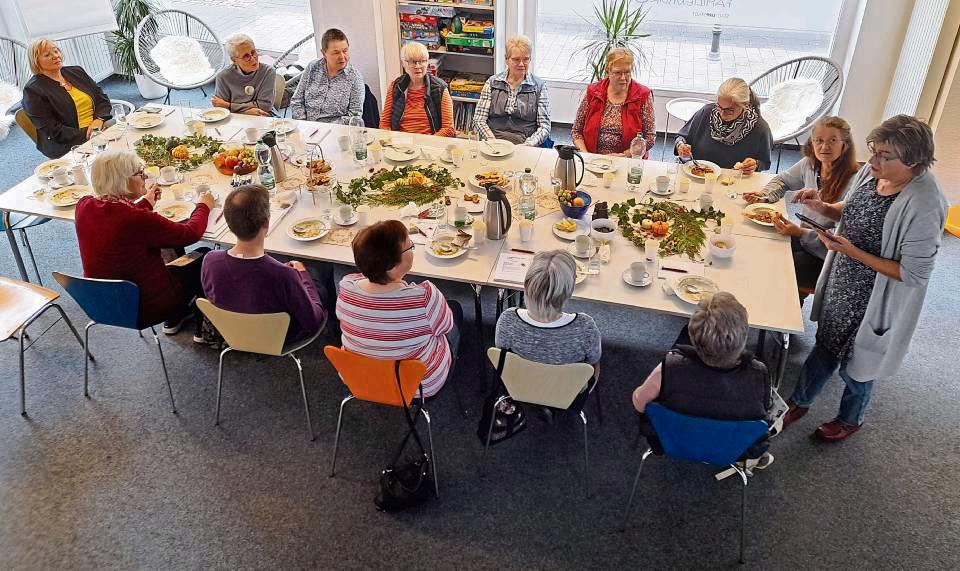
(479, 65)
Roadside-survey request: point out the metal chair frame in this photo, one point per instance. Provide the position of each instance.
(13, 62)
(279, 62)
(21, 226)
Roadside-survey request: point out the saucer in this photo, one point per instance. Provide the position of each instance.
(572, 248)
(627, 278)
(340, 222)
(56, 185)
(668, 192)
(162, 182)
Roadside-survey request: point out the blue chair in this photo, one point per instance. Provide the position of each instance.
(22, 223)
(547, 143)
(718, 442)
(109, 302)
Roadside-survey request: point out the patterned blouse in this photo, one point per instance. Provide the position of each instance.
(327, 99)
(611, 126)
(850, 283)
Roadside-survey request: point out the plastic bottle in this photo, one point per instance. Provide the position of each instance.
(528, 198)
(638, 147)
(358, 139)
(264, 171)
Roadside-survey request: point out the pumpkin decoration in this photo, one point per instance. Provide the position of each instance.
(659, 216)
(180, 152)
(646, 224)
(660, 228)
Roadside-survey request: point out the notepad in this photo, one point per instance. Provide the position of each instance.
(512, 267)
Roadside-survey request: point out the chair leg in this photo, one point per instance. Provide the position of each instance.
(86, 360)
(633, 492)
(203, 91)
(743, 507)
(216, 421)
(486, 444)
(433, 455)
(586, 456)
(596, 389)
(303, 391)
(23, 374)
(336, 439)
(72, 329)
(163, 364)
(33, 260)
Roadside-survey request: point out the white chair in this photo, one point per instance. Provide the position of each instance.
(14, 67)
(177, 23)
(261, 334)
(682, 108)
(554, 386)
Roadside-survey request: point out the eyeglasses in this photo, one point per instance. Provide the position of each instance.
(405, 250)
(417, 61)
(142, 173)
(520, 60)
(829, 142)
(880, 156)
(249, 56)
(625, 73)
(727, 110)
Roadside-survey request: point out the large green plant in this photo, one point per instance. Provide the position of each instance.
(616, 24)
(129, 15)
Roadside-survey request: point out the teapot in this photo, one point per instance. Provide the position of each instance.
(497, 214)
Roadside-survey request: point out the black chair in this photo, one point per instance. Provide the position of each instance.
(371, 109)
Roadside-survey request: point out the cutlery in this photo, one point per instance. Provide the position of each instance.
(314, 132)
(522, 251)
(167, 114)
(217, 131)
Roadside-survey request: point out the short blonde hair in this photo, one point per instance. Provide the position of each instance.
(549, 283)
(37, 47)
(618, 55)
(718, 330)
(111, 172)
(517, 43)
(414, 50)
(233, 43)
(737, 89)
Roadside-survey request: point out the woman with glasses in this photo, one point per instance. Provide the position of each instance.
(728, 132)
(513, 104)
(829, 162)
(120, 237)
(384, 317)
(614, 111)
(64, 104)
(418, 102)
(874, 279)
(246, 86)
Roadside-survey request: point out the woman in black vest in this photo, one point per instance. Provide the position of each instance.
(64, 103)
(708, 374)
(418, 102)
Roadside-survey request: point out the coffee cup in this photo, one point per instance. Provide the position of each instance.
(168, 174)
(61, 176)
(252, 134)
(344, 142)
(638, 271)
(363, 214)
(526, 232)
(346, 212)
(584, 243)
(663, 183)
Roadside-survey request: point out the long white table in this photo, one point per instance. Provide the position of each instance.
(760, 274)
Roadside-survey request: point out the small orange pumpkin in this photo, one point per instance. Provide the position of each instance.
(660, 228)
(180, 152)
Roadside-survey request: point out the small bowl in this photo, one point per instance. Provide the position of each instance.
(719, 252)
(599, 223)
(577, 212)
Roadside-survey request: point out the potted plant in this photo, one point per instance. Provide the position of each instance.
(129, 15)
(616, 25)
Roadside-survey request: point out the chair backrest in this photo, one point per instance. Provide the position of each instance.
(19, 301)
(375, 380)
(827, 73)
(166, 23)
(279, 85)
(26, 124)
(538, 383)
(291, 55)
(127, 106)
(262, 333)
(720, 442)
(371, 109)
(14, 67)
(108, 302)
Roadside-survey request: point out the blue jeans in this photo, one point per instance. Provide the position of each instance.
(817, 370)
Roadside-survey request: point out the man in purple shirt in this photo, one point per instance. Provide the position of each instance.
(245, 279)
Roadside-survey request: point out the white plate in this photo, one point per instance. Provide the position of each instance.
(340, 222)
(456, 254)
(145, 120)
(112, 134)
(668, 192)
(601, 165)
(69, 196)
(323, 232)
(214, 114)
(162, 182)
(474, 207)
(581, 229)
(174, 210)
(572, 248)
(394, 154)
(689, 166)
(581, 272)
(679, 287)
(756, 207)
(629, 279)
(496, 148)
(282, 126)
(472, 179)
(45, 169)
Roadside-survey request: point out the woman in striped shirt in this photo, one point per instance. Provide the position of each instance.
(384, 317)
(418, 102)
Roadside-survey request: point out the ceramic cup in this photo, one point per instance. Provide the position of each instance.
(584, 243)
(79, 175)
(638, 271)
(663, 183)
(526, 233)
(251, 134)
(346, 212)
(168, 174)
(61, 176)
(344, 142)
(363, 214)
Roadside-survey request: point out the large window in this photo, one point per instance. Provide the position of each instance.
(755, 37)
(274, 25)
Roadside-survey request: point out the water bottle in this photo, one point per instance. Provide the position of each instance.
(528, 198)
(358, 139)
(635, 175)
(265, 171)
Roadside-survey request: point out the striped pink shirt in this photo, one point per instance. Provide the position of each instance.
(408, 323)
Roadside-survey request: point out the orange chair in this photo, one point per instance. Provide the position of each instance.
(375, 380)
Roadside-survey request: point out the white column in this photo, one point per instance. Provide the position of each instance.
(923, 32)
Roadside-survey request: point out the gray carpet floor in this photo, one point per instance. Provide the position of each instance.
(117, 481)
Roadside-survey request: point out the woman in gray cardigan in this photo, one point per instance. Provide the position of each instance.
(829, 163)
(874, 279)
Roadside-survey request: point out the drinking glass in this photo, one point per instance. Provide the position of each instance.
(98, 141)
(473, 150)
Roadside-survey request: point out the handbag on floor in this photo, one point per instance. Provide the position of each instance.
(410, 484)
(509, 416)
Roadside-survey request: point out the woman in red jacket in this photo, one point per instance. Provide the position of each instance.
(120, 238)
(615, 110)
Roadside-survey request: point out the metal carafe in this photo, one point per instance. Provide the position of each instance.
(497, 214)
(276, 157)
(566, 168)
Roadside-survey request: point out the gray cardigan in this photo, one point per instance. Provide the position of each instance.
(801, 175)
(912, 232)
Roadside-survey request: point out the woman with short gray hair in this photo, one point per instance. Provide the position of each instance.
(418, 101)
(246, 86)
(543, 332)
(875, 277)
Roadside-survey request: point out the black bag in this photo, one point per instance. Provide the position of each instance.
(507, 423)
(410, 484)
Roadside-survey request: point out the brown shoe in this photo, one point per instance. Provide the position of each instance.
(794, 413)
(835, 430)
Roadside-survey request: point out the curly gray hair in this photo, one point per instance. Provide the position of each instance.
(718, 330)
(235, 42)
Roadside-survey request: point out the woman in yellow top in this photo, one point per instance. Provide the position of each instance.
(64, 103)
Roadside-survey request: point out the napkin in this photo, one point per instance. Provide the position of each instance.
(276, 215)
(215, 227)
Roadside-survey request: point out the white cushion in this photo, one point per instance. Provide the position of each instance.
(790, 104)
(181, 60)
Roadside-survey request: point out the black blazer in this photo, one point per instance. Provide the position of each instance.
(54, 114)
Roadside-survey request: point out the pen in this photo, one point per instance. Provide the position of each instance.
(679, 271)
(169, 112)
(314, 132)
(522, 251)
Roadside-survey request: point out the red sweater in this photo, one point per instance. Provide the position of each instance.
(122, 241)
